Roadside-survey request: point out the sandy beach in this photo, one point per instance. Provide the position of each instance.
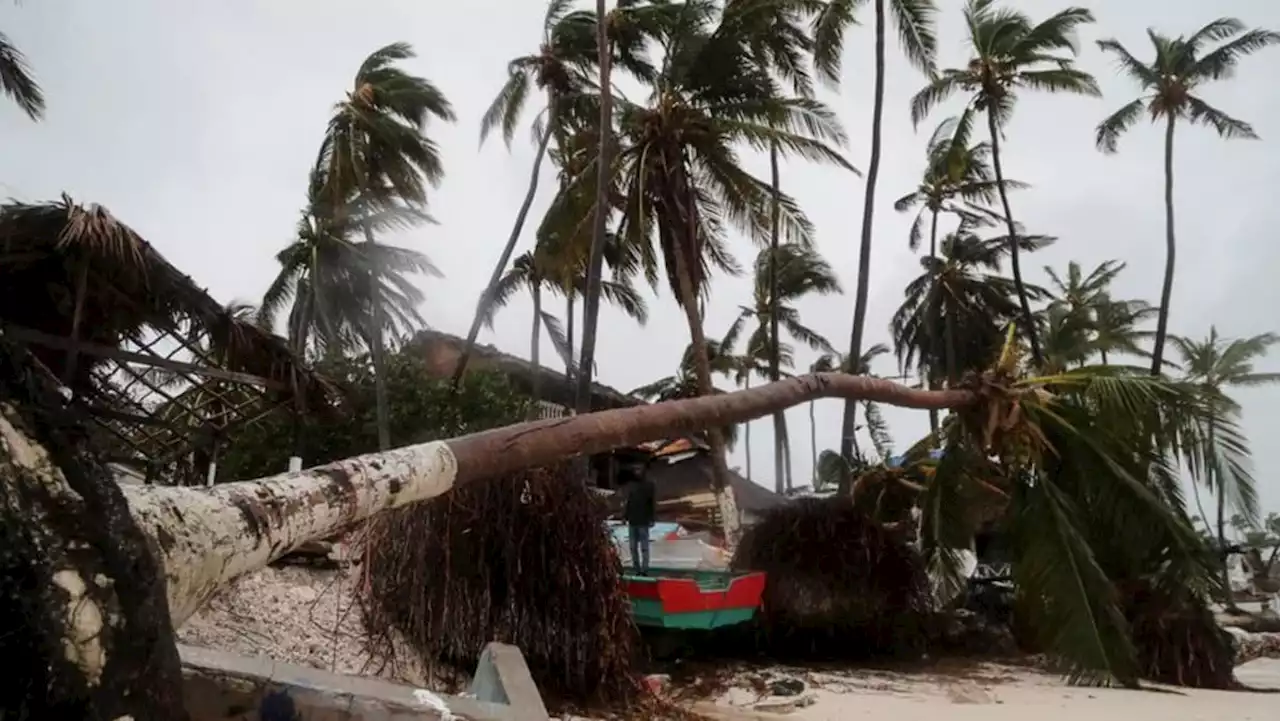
(307, 617)
(994, 692)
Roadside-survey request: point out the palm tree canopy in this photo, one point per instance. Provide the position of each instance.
(914, 20)
(1214, 366)
(375, 141)
(17, 82)
(958, 178)
(800, 271)
(324, 273)
(962, 286)
(1179, 67)
(564, 64)
(681, 180)
(1010, 54)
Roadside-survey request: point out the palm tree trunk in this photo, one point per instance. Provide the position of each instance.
(1104, 357)
(569, 325)
(223, 532)
(849, 421)
(685, 233)
(523, 214)
(931, 367)
(746, 427)
(786, 449)
(775, 369)
(377, 352)
(595, 263)
(1166, 291)
(1028, 320)
(1224, 557)
(813, 443)
(535, 343)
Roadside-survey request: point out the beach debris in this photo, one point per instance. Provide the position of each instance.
(785, 704)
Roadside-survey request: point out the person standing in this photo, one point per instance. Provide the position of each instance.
(640, 512)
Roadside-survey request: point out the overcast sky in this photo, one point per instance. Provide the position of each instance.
(196, 124)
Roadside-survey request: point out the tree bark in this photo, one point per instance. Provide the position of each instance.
(746, 430)
(813, 443)
(932, 367)
(535, 350)
(595, 263)
(569, 331)
(725, 501)
(1028, 320)
(87, 629)
(207, 537)
(849, 421)
(376, 351)
(775, 339)
(1171, 247)
(486, 298)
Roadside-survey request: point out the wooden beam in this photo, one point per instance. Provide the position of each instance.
(65, 344)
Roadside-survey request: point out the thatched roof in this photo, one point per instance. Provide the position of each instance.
(443, 350)
(91, 298)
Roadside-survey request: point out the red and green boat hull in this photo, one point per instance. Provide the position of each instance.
(703, 600)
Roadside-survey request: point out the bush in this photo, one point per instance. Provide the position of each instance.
(421, 407)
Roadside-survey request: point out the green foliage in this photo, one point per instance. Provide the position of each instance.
(422, 409)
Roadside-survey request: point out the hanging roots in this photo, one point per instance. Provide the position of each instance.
(1177, 640)
(524, 560)
(839, 585)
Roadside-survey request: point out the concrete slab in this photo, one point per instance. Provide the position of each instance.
(220, 686)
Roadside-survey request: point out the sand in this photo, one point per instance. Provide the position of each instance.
(993, 692)
(307, 617)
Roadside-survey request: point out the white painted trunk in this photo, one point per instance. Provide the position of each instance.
(727, 504)
(208, 536)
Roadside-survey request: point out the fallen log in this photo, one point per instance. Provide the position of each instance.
(208, 536)
(94, 576)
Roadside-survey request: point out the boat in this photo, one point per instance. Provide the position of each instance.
(693, 599)
(689, 585)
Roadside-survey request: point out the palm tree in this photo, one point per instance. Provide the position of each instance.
(773, 36)
(626, 31)
(1115, 326)
(17, 82)
(1011, 54)
(324, 272)
(876, 425)
(1082, 294)
(527, 273)
(916, 33)
(1084, 460)
(1170, 82)
(1213, 366)
(680, 175)
(784, 275)
(753, 362)
(561, 69)
(957, 179)
(375, 149)
(1086, 320)
(954, 313)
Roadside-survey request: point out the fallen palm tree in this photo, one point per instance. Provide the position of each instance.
(1077, 449)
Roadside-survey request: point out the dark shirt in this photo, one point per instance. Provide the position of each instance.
(642, 503)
